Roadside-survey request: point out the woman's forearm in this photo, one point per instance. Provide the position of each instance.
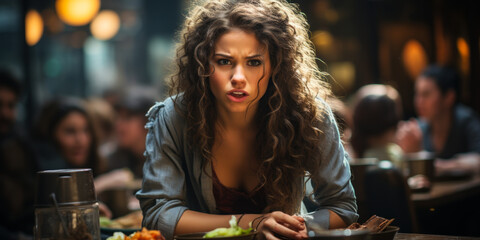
(336, 221)
(192, 221)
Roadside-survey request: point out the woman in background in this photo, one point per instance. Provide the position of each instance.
(66, 136)
(375, 118)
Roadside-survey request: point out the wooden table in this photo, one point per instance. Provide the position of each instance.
(413, 236)
(445, 192)
(449, 208)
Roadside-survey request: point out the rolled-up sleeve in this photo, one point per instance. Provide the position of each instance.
(331, 183)
(162, 197)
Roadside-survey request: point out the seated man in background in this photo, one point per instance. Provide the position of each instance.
(130, 132)
(17, 166)
(125, 163)
(445, 127)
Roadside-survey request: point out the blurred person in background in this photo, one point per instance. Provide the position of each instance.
(112, 95)
(67, 137)
(445, 127)
(343, 117)
(125, 162)
(103, 115)
(17, 165)
(130, 131)
(10, 91)
(375, 117)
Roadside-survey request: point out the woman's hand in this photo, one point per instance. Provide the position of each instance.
(114, 179)
(278, 224)
(104, 210)
(467, 162)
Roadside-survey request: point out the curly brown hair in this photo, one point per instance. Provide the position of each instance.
(288, 113)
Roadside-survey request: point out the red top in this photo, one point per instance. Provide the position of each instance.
(234, 201)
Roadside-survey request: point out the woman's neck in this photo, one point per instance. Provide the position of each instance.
(237, 121)
(382, 140)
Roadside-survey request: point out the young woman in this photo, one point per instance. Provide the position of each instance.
(67, 136)
(247, 127)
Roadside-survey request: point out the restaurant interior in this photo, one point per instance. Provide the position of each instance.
(102, 48)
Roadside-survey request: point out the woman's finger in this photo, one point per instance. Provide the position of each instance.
(300, 219)
(287, 220)
(271, 225)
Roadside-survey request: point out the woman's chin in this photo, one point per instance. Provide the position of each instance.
(78, 160)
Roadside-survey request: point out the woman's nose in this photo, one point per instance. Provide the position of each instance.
(238, 78)
(83, 138)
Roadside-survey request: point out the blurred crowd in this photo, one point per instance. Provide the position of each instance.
(104, 134)
(108, 135)
(444, 126)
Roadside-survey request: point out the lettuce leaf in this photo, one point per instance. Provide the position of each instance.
(232, 231)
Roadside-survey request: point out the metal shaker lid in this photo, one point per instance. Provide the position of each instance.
(70, 186)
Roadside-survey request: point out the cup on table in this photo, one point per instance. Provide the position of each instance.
(421, 163)
(117, 199)
(421, 170)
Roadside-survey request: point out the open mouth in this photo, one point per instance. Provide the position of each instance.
(237, 95)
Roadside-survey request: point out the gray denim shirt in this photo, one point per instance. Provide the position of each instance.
(175, 181)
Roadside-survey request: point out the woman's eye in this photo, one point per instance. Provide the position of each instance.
(254, 62)
(70, 131)
(224, 62)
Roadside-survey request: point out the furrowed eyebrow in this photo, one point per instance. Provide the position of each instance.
(222, 55)
(254, 56)
(227, 56)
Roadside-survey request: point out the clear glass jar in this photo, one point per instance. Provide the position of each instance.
(80, 222)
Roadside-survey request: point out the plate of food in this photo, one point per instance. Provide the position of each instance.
(341, 234)
(233, 232)
(144, 234)
(193, 236)
(127, 224)
(379, 228)
(387, 234)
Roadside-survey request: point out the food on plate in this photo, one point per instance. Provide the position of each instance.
(105, 221)
(117, 236)
(374, 224)
(130, 221)
(233, 230)
(139, 235)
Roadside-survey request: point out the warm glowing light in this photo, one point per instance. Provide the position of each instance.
(464, 52)
(414, 58)
(77, 12)
(344, 74)
(322, 39)
(105, 25)
(462, 47)
(33, 27)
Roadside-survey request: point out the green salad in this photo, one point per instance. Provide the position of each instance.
(232, 231)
